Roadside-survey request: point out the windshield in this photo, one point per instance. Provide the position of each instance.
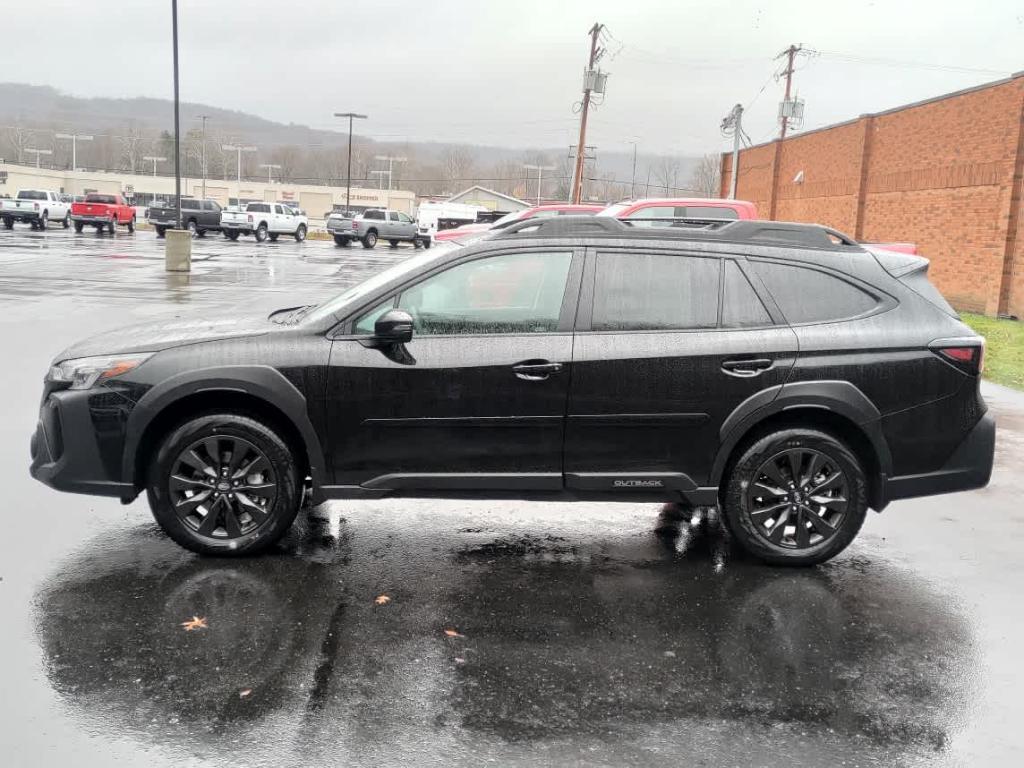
(107, 199)
(614, 210)
(339, 304)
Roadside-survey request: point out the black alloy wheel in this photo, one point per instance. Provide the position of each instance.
(222, 487)
(798, 498)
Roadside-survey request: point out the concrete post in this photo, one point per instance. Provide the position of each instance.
(178, 253)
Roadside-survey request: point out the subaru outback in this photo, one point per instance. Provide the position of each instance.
(781, 372)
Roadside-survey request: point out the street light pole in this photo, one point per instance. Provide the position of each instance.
(177, 117)
(348, 182)
(539, 169)
(391, 164)
(380, 178)
(204, 118)
(75, 138)
(239, 149)
(38, 152)
(155, 160)
(632, 184)
(270, 171)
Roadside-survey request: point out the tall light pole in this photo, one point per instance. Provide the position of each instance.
(204, 118)
(380, 178)
(239, 148)
(154, 160)
(348, 182)
(75, 138)
(270, 171)
(38, 152)
(392, 159)
(177, 117)
(539, 169)
(632, 183)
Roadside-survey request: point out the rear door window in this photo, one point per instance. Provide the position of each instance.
(807, 295)
(653, 292)
(741, 306)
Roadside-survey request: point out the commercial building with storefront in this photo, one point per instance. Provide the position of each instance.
(945, 173)
(143, 189)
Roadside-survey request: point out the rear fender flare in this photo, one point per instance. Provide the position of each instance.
(260, 381)
(839, 397)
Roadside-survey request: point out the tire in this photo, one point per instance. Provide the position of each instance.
(370, 240)
(300, 233)
(416, 243)
(393, 243)
(43, 221)
(273, 237)
(66, 221)
(200, 233)
(131, 224)
(9, 223)
(190, 225)
(341, 241)
(79, 226)
(160, 231)
(231, 235)
(112, 226)
(767, 460)
(261, 233)
(426, 242)
(236, 528)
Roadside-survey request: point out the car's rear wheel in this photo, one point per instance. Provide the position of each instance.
(231, 234)
(795, 497)
(160, 231)
(370, 241)
(191, 227)
(79, 226)
(43, 221)
(273, 237)
(224, 484)
(131, 224)
(341, 240)
(9, 223)
(300, 233)
(261, 233)
(393, 243)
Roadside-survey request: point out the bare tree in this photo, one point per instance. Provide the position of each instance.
(504, 176)
(133, 147)
(457, 164)
(289, 158)
(19, 137)
(667, 171)
(707, 177)
(562, 176)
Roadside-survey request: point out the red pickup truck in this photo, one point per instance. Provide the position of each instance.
(103, 211)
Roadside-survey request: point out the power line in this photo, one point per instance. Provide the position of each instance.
(903, 64)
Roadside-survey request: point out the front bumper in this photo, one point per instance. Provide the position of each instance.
(968, 468)
(78, 442)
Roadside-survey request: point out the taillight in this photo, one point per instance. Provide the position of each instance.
(355, 225)
(249, 217)
(36, 206)
(966, 354)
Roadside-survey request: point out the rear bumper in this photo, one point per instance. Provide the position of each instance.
(91, 219)
(68, 452)
(969, 467)
(21, 215)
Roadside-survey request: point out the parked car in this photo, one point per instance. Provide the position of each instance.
(781, 371)
(383, 224)
(682, 208)
(103, 211)
(432, 218)
(339, 226)
(264, 220)
(37, 207)
(197, 216)
(536, 212)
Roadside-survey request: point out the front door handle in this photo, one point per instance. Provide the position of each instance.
(746, 367)
(535, 370)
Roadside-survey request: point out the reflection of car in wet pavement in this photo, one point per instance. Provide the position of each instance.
(796, 386)
(561, 637)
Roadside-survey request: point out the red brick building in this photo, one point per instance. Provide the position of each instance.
(946, 173)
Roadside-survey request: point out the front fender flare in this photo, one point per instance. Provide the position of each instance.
(261, 381)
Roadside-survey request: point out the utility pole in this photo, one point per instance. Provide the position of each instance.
(539, 169)
(733, 122)
(577, 188)
(632, 183)
(348, 181)
(204, 118)
(380, 178)
(38, 152)
(75, 138)
(239, 149)
(154, 160)
(391, 164)
(270, 171)
(790, 54)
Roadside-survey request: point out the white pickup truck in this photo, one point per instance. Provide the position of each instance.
(264, 220)
(38, 207)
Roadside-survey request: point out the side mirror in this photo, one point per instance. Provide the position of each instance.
(393, 327)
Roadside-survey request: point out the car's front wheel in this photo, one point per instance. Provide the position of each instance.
(224, 484)
(66, 221)
(795, 497)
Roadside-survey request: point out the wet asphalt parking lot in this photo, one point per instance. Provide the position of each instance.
(517, 634)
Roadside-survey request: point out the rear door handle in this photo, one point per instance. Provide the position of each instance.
(535, 370)
(746, 367)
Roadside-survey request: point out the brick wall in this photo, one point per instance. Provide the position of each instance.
(945, 174)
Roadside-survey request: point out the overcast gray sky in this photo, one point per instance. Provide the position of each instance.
(509, 73)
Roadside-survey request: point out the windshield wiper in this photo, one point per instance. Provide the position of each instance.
(289, 315)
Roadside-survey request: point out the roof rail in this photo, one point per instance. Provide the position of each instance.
(677, 228)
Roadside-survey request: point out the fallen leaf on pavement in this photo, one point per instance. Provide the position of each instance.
(196, 622)
(452, 633)
(382, 600)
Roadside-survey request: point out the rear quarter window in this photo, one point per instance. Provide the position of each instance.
(807, 295)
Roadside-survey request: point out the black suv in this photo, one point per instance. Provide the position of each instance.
(781, 371)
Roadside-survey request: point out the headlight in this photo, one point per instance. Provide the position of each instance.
(84, 372)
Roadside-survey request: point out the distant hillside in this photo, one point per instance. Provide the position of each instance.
(127, 129)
